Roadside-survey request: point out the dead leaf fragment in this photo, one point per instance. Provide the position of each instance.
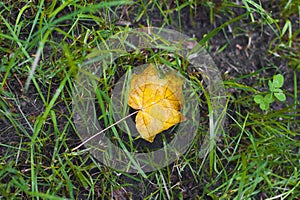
(158, 100)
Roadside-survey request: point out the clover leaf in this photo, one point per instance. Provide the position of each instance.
(278, 81)
(280, 96)
(275, 92)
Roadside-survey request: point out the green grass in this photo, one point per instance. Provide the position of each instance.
(42, 45)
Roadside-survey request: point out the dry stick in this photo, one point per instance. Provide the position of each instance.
(103, 130)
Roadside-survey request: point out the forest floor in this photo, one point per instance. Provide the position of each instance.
(44, 43)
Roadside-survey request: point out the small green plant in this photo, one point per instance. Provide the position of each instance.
(274, 93)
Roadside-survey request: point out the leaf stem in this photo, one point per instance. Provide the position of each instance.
(103, 130)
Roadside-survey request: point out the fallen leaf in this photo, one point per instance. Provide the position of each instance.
(158, 100)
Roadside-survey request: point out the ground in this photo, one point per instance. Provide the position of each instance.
(257, 156)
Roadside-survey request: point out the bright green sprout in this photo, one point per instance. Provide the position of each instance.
(275, 93)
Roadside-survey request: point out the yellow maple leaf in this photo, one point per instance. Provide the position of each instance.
(158, 100)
